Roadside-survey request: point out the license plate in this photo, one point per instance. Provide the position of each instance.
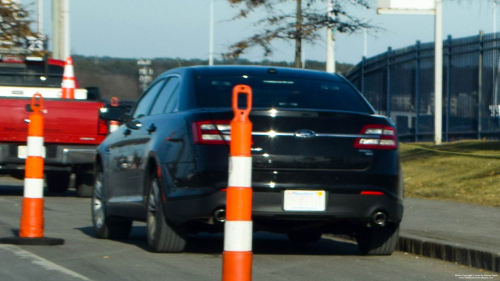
(305, 200)
(22, 152)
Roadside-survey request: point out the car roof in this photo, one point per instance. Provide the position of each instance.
(252, 70)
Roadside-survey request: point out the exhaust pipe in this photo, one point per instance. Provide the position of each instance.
(379, 218)
(220, 215)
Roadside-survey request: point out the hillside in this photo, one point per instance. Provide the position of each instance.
(464, 171)
(120, 77)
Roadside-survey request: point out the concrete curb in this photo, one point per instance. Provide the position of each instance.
(447, 251)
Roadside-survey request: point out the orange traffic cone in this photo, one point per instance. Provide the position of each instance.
(238, 228)
(114, 125)
(32, 224)
(68, 83)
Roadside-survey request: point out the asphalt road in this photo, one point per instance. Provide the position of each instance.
(84, 257)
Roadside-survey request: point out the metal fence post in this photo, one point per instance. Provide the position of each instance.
(388, 86)
(417, 87)
(448, 84)
(480, 85)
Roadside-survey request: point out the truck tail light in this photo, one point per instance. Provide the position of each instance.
(211, 132)
(377, 137)
(102, 127)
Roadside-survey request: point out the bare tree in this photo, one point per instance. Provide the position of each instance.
(15, 29)
(304, 24)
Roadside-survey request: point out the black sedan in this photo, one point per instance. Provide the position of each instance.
(323, 161)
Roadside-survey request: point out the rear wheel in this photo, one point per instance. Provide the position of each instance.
(105, 227)
(304, 236)
(58, 182)
(163, 237)
(379, 240)
(84, 185)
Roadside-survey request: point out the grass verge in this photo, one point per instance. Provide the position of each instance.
(464, 171)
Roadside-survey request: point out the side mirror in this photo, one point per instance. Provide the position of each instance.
(134, 124)
(114, 113)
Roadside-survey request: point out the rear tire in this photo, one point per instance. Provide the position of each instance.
(379, 240)
(84, 185)
(304, 236)
(163, 237)
(105, 227)
(58, 182)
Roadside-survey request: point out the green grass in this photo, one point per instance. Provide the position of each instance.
(448, 174)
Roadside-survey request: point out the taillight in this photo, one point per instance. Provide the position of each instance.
(211, 132)
(377, 137)
(102, 127)
(371, 193)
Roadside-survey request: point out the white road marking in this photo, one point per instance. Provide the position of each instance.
(45, 264)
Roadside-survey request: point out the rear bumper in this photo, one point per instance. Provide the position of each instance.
(268, 206)
(57, 156)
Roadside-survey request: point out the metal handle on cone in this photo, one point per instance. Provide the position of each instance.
(242, 114)
(37, 103)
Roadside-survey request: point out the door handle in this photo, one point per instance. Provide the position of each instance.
(127, 132)
(152, 128)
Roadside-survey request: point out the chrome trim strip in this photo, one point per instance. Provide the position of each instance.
(317, 135)
(276, 134)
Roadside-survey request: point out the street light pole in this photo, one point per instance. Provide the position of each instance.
(494, 17)
(330, 42)
(365, 41)
(40, 17)
(438, 74)
(211, 43)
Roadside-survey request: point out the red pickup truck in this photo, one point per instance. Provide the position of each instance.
(72, 128)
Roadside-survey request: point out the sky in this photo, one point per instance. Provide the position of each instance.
(180, 29)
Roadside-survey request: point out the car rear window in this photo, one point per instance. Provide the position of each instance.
(30, 75)
(279, 92)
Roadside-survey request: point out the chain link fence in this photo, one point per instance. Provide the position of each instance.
(400, 84)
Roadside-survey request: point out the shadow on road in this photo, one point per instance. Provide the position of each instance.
(264, 243)
(18, 190)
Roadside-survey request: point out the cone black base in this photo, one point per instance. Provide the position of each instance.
(43, 241)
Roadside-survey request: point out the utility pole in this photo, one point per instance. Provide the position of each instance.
(438, 74)
(56, 35)
(211, 43)
(330, 41)
(66, 47)
(60, 29)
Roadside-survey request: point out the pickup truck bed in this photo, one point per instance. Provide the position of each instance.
(72, 130)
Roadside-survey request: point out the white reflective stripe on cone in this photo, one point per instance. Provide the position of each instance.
(35, 146)
(68, 71)
(238, 236)
(68, 83)
(240, 171)
(113, 126)
(33, 188)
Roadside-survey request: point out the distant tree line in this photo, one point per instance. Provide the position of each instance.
(119, 77)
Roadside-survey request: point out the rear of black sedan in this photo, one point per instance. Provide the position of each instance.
(323, 161)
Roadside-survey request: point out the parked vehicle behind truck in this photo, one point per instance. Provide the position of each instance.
(72, 128)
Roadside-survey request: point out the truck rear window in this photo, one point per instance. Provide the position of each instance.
(281, 92)
(30, 75)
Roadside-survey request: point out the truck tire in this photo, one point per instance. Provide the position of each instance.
(105, 227)
(163, 237)
(84, 185)
(379, 240)
(58, 182)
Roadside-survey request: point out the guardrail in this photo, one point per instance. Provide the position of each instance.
(400, 84)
